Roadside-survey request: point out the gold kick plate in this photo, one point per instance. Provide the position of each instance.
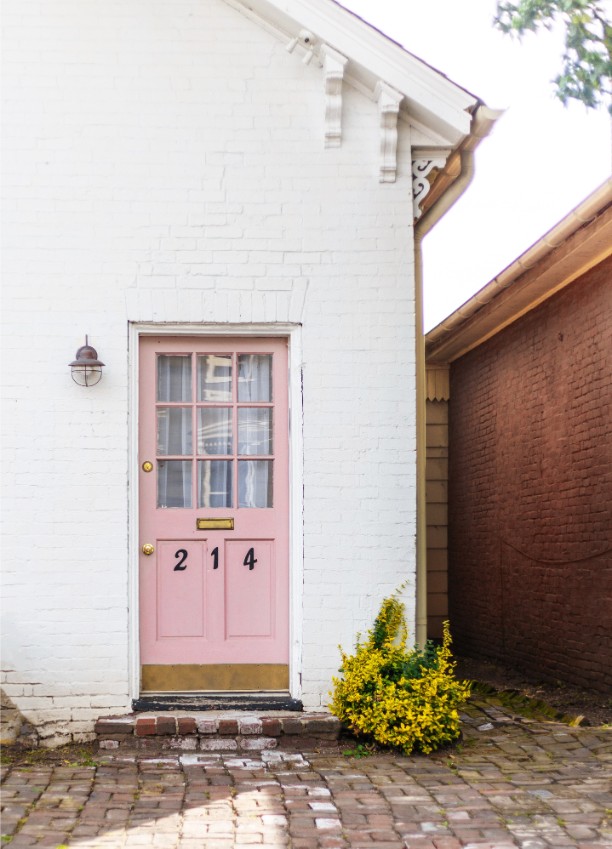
(216, 677)
(215, 524)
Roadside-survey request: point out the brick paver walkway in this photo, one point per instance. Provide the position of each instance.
(509, 784)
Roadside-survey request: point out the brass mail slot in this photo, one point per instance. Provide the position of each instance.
(215, 524)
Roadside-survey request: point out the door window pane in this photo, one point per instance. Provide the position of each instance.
(255, 483)
(255, 377)
(215, 483)
(173, 430)
(173, 378)
(174, 483)
(215, 430)
(215, 377)
(254, 430)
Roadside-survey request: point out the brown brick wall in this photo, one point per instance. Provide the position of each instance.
(530, 490)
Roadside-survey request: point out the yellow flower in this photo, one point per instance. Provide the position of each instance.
(399, 697)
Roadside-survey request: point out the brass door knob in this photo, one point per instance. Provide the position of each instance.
(147, 466)
(148, 548)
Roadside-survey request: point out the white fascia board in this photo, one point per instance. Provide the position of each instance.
(430, 97)
(422, 136)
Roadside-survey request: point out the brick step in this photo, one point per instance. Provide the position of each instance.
(218, 731)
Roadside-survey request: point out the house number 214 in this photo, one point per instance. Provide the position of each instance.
(181, 556)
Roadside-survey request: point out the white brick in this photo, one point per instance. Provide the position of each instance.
(258, 744)
(152, 178)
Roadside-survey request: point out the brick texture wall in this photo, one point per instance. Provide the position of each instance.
(530, 524)
(165, 162)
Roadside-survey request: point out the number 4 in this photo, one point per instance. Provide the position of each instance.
(250, 559)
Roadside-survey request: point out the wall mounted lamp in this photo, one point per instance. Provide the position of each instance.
(86, 369)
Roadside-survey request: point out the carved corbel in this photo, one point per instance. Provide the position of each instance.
(421, 169)
(333, 71)
(388, 109)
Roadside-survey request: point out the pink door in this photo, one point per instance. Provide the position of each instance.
(214, 553)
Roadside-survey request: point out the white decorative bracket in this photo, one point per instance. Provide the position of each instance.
(333, 70)
(421, 169)
(306, 40)
(388, 109)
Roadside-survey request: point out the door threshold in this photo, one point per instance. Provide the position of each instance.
(248, 701)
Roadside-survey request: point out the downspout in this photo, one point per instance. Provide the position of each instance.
(421, 448)
(482, 124)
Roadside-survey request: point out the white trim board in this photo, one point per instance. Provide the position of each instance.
(293, 332)
(430, 97)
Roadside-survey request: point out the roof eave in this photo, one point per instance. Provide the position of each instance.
(458, 171)
(429, 96)
(577, 243)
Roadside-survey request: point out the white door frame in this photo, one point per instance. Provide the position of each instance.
(293, 333)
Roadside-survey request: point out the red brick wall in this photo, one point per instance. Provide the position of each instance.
(530, 490)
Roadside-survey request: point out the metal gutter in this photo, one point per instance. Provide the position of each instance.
(482, 123)
(555, 238)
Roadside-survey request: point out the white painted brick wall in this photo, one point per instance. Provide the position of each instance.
(165, 162)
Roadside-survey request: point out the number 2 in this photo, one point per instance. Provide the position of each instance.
(250, 559)
(182, 553)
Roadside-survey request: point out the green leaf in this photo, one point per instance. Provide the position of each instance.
(586, 72)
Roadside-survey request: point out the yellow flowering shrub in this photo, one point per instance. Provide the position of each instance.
(399, 697)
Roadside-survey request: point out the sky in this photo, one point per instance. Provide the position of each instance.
(540, 161)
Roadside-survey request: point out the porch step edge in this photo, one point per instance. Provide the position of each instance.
(214, 702)
(223, 731)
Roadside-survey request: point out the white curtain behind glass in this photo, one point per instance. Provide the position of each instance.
(255, 430)
(174, 483)
(174, 385)
(173, 378)
(255, 483)
(215, 483)
(254, 377)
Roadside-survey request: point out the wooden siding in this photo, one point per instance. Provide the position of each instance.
(436, 471)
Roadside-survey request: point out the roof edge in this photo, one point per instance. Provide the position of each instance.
(468, 327)
(373, 56)
(458, 172)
